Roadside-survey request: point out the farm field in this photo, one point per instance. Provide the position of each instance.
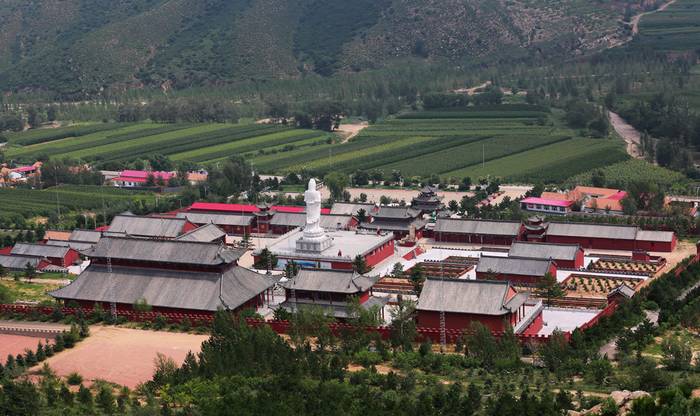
(675, 29)
(29, 202)
(455, 143)
(552, 163)
(517, 142)
(192, 142)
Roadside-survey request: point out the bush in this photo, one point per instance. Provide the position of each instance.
(160, 322)
(74, 379)
(368, 358)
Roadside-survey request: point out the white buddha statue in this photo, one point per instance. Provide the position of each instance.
(314, 237)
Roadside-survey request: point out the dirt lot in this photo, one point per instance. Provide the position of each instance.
(122, 356)
(374, 195)
(16, 344)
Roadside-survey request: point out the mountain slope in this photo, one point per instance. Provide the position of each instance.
(77, 47)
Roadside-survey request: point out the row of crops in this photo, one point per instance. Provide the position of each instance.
(517, 142)
(677, 28)
(190, 142)
(28, 202)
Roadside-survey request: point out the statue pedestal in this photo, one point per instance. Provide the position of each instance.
(314, 244)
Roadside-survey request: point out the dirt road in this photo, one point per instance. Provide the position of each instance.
(635, 24)
(629, 134)
(636, 19)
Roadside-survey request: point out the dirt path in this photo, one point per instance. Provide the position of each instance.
(636, 19)
(473, 90)
(629, 134)
(635, 24)
(348, 131)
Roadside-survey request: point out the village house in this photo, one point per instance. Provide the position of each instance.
(140, 178)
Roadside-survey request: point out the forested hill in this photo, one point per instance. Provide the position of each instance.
(78, 46)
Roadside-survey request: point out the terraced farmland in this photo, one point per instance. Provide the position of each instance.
(515, 141)
(28, 202)
(193, 142)
(677, 28)
(552, 163)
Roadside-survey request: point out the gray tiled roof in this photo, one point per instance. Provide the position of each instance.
(75, 245)
(337, 310)
(615, 232)
(85, 236)
(397, 212)
(329, 281)
(217, 219)
(206, 233)
(18, 262)
(39, 250)
(298, 219)
(166, 288)
(348, 208)
(660, 236)
(624, 290)
(544, 250)
(160, 227)
(480, 227)
(170, 251)
(513, 265)
(482, 297)
(393, 226)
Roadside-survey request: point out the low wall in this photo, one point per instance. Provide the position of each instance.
(280, 327)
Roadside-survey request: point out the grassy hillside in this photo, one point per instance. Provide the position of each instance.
(78, 47)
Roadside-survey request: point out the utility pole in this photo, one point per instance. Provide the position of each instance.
(483, 155)
(443, 334)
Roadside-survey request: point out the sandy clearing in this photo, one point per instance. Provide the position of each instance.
(375, 194)
(121, 355)
(348, 131)
(16, 344)
(629, 134)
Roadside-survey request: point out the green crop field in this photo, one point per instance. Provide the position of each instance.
(30, 202)
(675, 29)
(191, 142)
(553, 163)
(455, 143)
(516, 141)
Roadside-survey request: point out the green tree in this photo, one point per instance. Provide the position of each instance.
(336, 183)
(555, 353)
(6, 295)
(481, 345)
(397, 270)
(403, 325)
(29, 271)
(548, 288)
(417, 276)
(677, 353)
(359, 264)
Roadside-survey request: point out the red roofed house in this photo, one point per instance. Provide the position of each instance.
(594, 200)
(137, 178)
(546, 205)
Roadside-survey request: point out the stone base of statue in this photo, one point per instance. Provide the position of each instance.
(314, 242)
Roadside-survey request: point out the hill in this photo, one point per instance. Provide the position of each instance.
(78, 47)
